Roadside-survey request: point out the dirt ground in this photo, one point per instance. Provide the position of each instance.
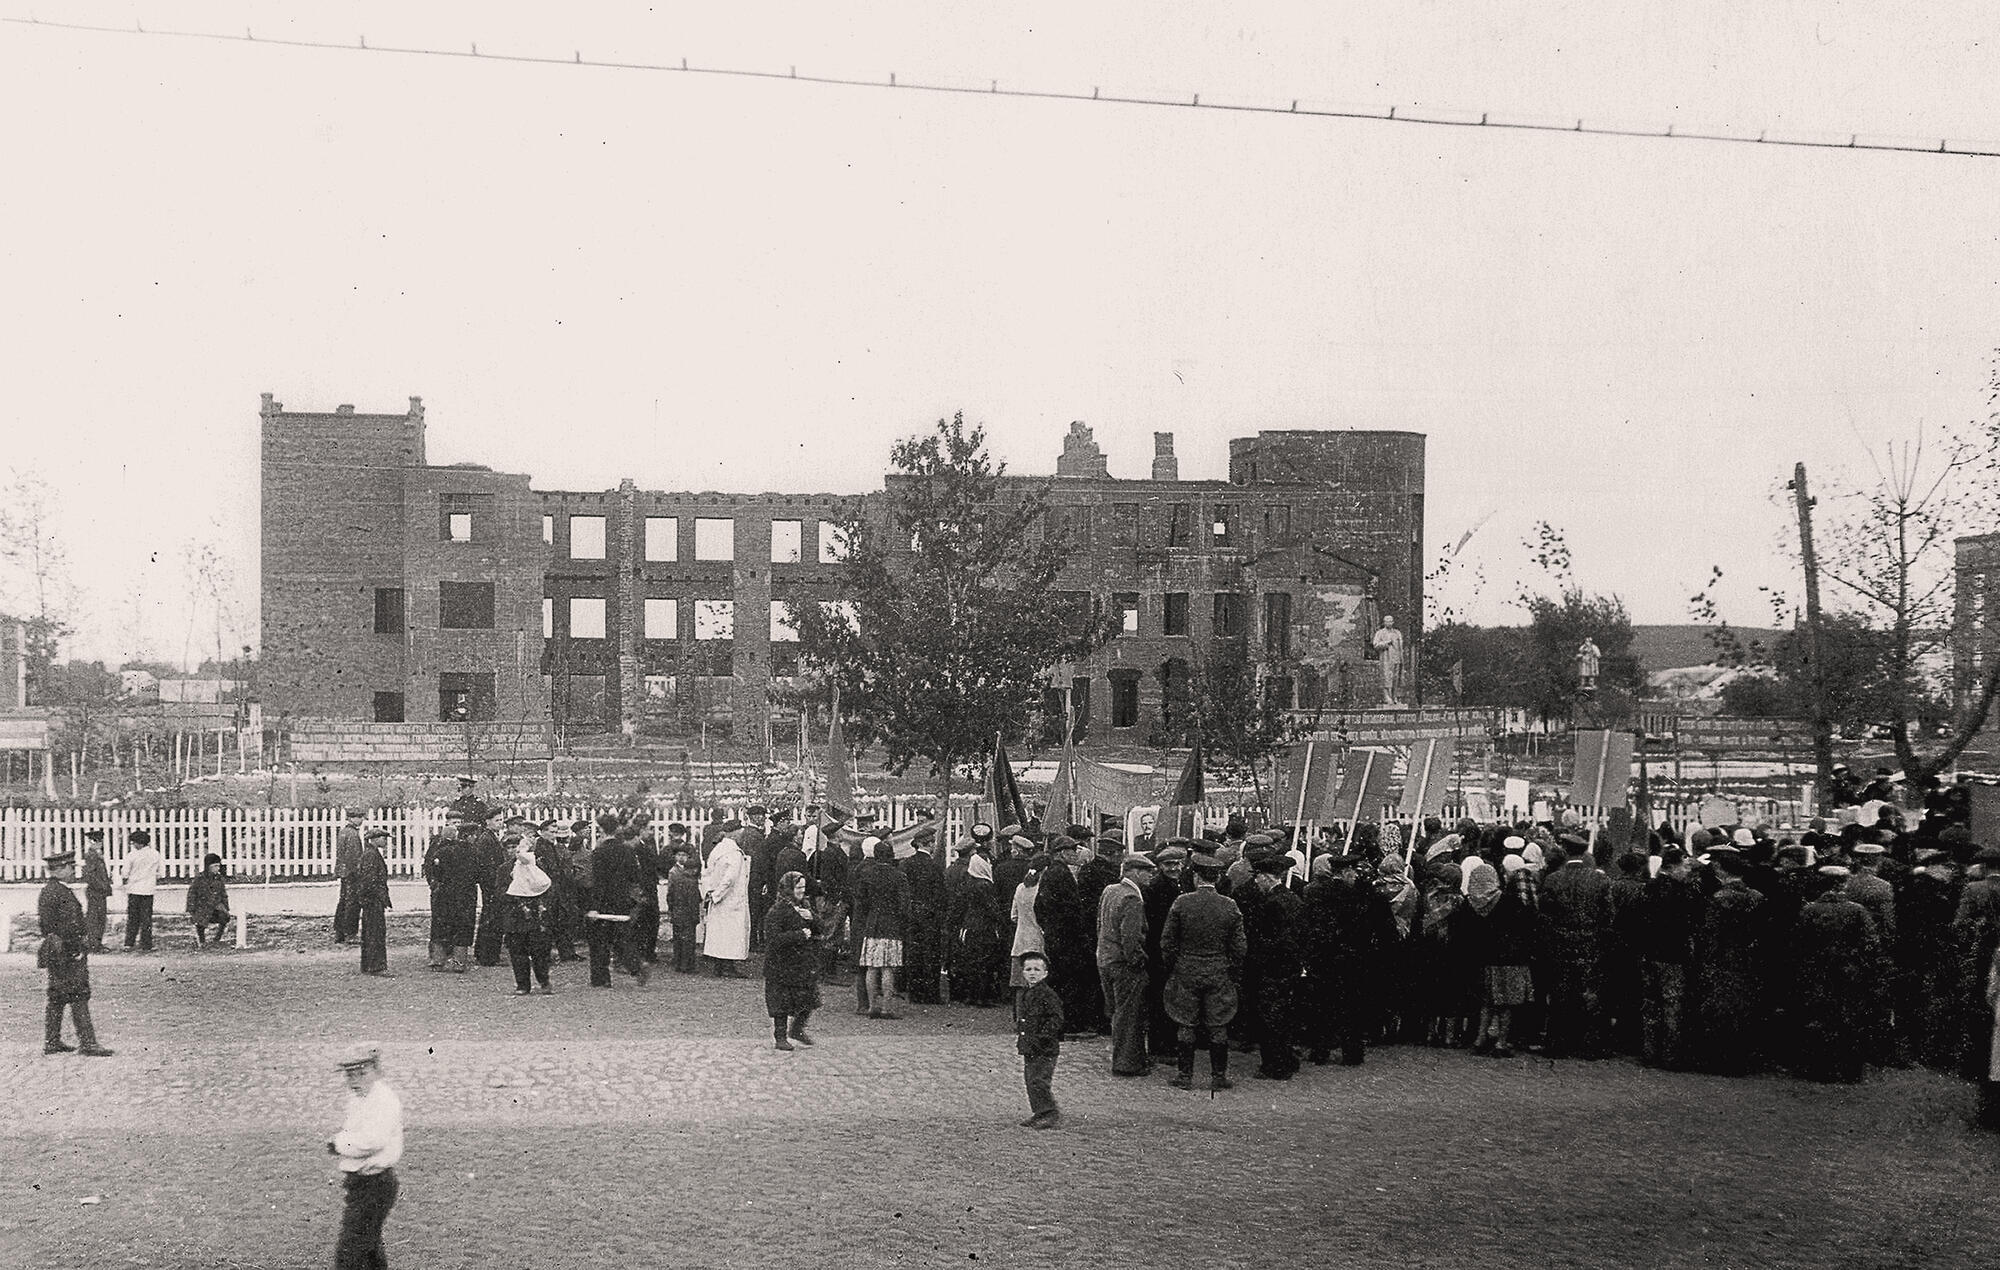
(658, 1126)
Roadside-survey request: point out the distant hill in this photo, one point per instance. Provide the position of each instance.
(1676, 647)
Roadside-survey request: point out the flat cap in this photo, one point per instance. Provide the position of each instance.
(1136, 863)
(1870, 848)
(1278, 864)
(359, 1054)
(1172, 853)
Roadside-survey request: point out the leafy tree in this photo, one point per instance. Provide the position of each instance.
(949, 637)
(34, 575)
(1240, 725)
(1474, 665)
(1557, 626)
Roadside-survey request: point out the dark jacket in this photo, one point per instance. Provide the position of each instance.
(1038, 1021)
(1666, 920)
(791, 962)
(683, 897)
(614, 877)
(881, 902)
(1204, 937)
(371, 879)
(527, 914)
(208, 899)
(64, 953)
(1271, 921)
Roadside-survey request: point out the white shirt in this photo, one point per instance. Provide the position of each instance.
(142, 870)
(372, 1138)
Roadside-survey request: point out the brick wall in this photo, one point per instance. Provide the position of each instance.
(332, 532)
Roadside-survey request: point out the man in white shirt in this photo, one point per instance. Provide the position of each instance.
(143, 863)
(369, 1144)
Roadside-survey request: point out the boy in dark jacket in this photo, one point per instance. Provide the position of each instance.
(1038, 1027)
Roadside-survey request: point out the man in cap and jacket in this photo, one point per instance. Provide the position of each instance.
(96, 888)
(65, 955)
(1121, 964)
(368, 1146)
(1204, 948)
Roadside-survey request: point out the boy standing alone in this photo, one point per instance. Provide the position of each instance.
(1038, 1029)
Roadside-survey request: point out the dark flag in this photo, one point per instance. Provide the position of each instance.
(1008, 809)
(839, 781)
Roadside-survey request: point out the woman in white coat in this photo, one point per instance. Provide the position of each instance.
(725, 894)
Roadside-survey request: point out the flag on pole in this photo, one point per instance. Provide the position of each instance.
(839, 781)
(1002, 793)
(1062, 808)
(1181, 817)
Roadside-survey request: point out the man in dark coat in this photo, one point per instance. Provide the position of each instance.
(451, 866)
(1069, 935)
(346, 854)
(96, 888)
(923, 946)
(754, 843)
(491, 860)
(1161, 892)
(1665, 935)
(65, 954)
(646, 912)
(614, 894)
(1623, 982)
(1927, 963)
(1272, 923)
(1345, 928)
(1975, 931)
(371, 903)
(1576, 913)
(564, 908)
(1731, 1009)
(830, 883)
(1836, 983)
(1204, 948)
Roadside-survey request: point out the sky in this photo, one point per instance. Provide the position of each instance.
(710, 282)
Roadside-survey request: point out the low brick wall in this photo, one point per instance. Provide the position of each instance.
(346, 741)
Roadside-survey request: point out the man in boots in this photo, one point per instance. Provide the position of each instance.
(65, 954)
(1204, 948)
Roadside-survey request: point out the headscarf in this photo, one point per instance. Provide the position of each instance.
(979, 867)
(1482, 886)
(529, 880)
(792, 878)
(1391, 837)
(1322, 866)
(1531, 856)
(1512, 864)
(1444, 846)
(1466, 868)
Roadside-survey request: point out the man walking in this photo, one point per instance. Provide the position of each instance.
(142, 879)
(1121, 964)
(65, 954)
(346, 855)
(371, 904)
(369, 1145)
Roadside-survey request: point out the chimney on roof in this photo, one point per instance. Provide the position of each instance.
(1080, 455)
(1165, 466)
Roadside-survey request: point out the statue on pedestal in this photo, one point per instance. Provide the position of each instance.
(1388, 644)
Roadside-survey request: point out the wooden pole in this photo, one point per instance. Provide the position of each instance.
(1809, 562)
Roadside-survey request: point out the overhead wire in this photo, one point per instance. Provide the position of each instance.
(1296, 107)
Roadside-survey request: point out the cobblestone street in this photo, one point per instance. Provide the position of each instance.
(659, 1123)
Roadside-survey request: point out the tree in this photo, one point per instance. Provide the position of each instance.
(1557, 627)
(34, 574)
(948, 637)
(1886, 545)
(1240, 724)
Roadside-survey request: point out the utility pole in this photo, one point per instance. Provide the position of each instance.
(1821, 724)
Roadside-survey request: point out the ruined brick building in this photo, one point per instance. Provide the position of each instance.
(396, 592)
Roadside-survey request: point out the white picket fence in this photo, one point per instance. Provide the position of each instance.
(292, 843)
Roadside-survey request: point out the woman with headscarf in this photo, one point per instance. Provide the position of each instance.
(1513, 935)
(881, 918)
(527, 915)
(975, 923)
(1442, 980)
(208, 900)
(1480, 885)
(791, 962)
(1395, 980)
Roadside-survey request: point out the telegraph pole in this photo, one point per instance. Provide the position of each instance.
(1821, 724)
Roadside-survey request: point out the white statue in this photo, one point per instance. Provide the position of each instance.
(1389, 649)
(1588, 660)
